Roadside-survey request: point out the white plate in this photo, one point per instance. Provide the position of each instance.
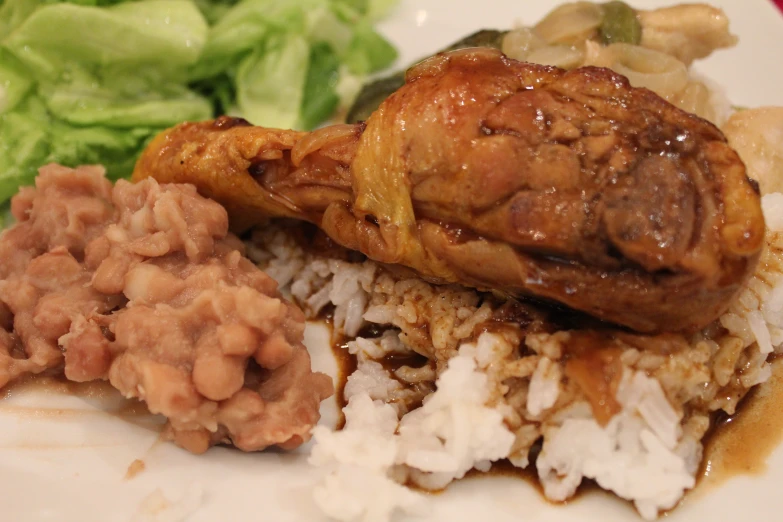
(68, 462)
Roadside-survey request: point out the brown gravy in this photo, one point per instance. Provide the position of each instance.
(135, 467)
(58, 385)
(99, 391)
(346, 365)
(505, 468)
(736, 445)
(742, 443)
(395, 361)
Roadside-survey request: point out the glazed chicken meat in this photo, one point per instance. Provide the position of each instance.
(566, 186)
(143, 286)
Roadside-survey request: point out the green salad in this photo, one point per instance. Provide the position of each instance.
(92, 81)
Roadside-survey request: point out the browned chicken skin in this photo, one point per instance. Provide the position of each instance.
(569, 186)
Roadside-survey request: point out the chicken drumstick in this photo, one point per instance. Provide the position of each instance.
(572, 187)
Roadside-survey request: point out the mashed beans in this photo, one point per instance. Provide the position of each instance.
(143, 286)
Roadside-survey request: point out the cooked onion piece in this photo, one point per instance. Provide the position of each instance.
(757, 136)
(695, 98)
(596, 55)
(570, 23)
(687, 32)
(657, 71)
(572, 36)
(520, 42)
(557, 55)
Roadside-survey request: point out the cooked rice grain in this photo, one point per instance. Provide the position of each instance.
(488, 396)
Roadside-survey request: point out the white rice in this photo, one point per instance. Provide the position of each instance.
(757, 314)
(492, 396)
(358, 461)
(371, 379)
(634, 455)
(453, 432)
(544, 387)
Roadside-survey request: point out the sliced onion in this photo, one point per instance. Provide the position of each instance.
(659, 72)
(597, 55)
(557, 55)
(570, 23)
(519, 43)
(695, 98)
(686, 31)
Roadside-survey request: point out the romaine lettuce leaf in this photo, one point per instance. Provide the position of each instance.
(219, 90)
(320, 98)
(324, 23)
(256, 35)
(88, 75)
(156, 34)
(368, 51)
(14, 12)
(136, 103)
(214, 10)
(244, 28)
(98, 87)
(372, 10)
(91, 81)
(271, 80)
(30, 137)
(15, 82)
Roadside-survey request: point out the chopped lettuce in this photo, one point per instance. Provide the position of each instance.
(269, 48)
(14, 81)
(161, 36)
(81, 94)
(14, 12)
(214, 10)
(270, 81)
(320, 97)
(368, 51)
(92, 81)
(244, 28)
(373, 10)
(30, 137)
